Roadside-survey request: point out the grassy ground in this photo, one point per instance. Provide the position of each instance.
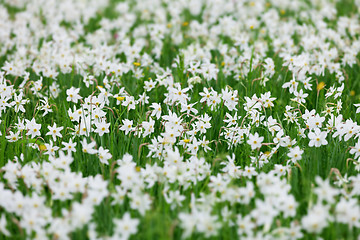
(162, 222)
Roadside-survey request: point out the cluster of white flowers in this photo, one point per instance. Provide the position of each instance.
(220, 103)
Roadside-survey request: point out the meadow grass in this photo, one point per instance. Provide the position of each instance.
(161, 221)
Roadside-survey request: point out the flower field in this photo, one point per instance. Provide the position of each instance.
(179, 119)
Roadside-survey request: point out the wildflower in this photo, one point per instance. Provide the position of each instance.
(295, 154)
(230, 98)
(104, 155)
(292, 85)
(208, 224)
(102, 127)
(315, 122)
(88, 147)
(320, 86)
(70, 146)
(356, 150)
(174, 198)
(230, 167)
(206, 96)
(129, 102)
(45, 106)
(33, 128)
(19, 102)
(317, 138)
(188, 108)
(3, 229)
(249, 172)
(194, 68)
(358, 107)
(157, 110)
(126, 226)
(73, 95)
(148, 127)
(51, 149)
(193, 80)
(127, 126)
(54, 131)
(187, 223)
(267, 100)
(324, 191)
(316, 220)
(140, 202)
(13, 137)
(255, 141)
(300, 96)
(149, 85)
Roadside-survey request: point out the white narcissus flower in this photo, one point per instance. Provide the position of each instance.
(358, 107)
(316, 220)
(126, 226)
(88, 147)
(315, 121)
(187, 223)
(33, 128)
(317, 138)
(231, 120)
(3, 229)
(194, 67)
(267, 100)
(300, 96)
(244, 225)
(129, 102)
(206, 95)
(249, 172)
(193, 80)
(208, 224)
(19, 102)
(156, 110)
(356, 150)
(54, 131)
(230, 98)
(307, 84)
(295, 154)
(174, 198)
(231, 168)
(127, 126)
(104, 155)
(73, 95)
(280, 169)
(70, 146)
(324, 191)
(13, 137)
(255, 141)
(140, 202)
(50, 148)
(102, 127)
(292, 85)
(149, 85)
(188, 108)
(148, 127)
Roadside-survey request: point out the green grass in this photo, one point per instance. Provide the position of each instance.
(161, 222)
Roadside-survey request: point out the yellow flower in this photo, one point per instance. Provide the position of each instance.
(42, 147)
(320, 86)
